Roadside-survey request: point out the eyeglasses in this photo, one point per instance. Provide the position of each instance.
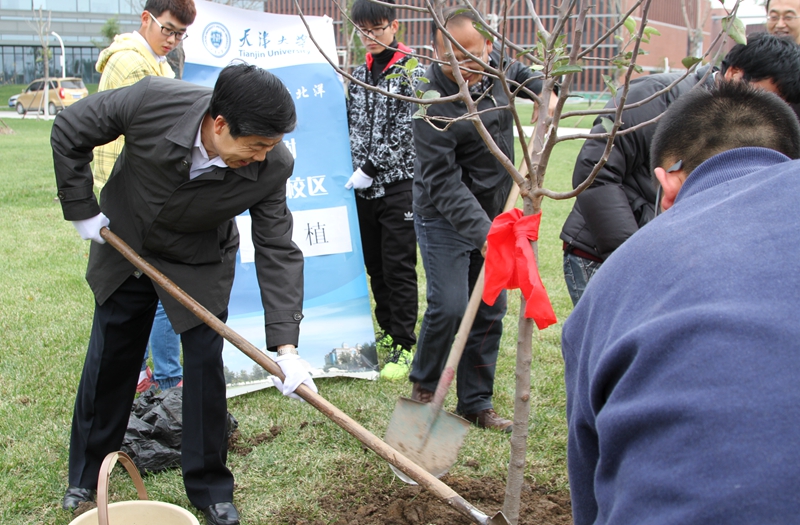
(377, 32)
(167, 32)
(462, 63)
(675, 167)
(774, 17)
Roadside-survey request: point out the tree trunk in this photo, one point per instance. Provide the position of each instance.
(46, 63)
(522, 392)
(522, 410)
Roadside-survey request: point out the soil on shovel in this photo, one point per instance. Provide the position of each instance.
(411, 505)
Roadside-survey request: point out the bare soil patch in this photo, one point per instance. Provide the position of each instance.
(242, 446)
(411, 505)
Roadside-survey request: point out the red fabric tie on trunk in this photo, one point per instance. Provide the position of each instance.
(510, 264)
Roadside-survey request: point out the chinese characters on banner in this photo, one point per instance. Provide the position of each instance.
(336, 335)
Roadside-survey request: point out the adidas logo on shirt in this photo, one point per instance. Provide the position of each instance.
(408, 216)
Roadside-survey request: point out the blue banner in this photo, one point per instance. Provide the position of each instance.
(336, 335)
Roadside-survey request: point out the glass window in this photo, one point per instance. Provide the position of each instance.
(35, 86)
(130, 7)
(9, 66)
(16, 4)
(28, 62)
(72, 84)
(105, 6)
(61, 5)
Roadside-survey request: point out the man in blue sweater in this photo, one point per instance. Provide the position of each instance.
(683, 356)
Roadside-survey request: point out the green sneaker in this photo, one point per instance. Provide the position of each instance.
(398, 364)
(384, 345)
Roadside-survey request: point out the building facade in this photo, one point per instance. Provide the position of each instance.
(664, 52)
(77, 22)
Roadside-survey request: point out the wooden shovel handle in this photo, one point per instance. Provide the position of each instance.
(475, 298)
(370, 440)
(102, 482)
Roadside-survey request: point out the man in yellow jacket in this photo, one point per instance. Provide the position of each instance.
(130, 58)
(142, 53)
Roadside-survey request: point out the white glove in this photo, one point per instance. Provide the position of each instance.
(296, 371)
(89, 229)
(359, 180)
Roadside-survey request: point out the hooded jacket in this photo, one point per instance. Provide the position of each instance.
(380, 126)
(125, 62)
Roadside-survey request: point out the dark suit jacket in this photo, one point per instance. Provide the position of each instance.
(183, 227)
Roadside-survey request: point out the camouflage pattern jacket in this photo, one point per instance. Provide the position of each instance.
(380, 126)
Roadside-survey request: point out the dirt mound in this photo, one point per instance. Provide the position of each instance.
(410, 505)
(243, 446)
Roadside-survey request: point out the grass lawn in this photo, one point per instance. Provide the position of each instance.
(45, 316)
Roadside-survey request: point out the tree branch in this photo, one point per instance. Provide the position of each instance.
(617, 120)
(610, 31)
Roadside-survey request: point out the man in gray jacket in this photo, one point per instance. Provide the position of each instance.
(193, 160)
(459, 188)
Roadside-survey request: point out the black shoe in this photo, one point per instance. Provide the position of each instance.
(489, 419)
(75, 496)
(221, 514)
(420, 394)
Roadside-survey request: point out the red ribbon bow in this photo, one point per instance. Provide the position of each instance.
(510, 264)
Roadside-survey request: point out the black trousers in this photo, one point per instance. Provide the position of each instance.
(120, 332)
(390, 255)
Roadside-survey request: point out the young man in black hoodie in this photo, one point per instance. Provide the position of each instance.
(383, 163)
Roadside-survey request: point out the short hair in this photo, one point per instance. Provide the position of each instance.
(727, 116)
(366, 12)
(454, 13)
(183, 10)
(771, 57)
(252, 101)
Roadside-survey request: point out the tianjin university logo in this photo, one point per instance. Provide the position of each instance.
(216, 39)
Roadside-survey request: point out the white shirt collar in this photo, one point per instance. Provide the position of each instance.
(200, 161)
(137, 35)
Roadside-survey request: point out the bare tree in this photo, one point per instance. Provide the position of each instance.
(41, 25)
(701, 11)
(560, 53)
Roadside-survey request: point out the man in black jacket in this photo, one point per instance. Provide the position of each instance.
(459, 188)
(621, 198)
(193, 160)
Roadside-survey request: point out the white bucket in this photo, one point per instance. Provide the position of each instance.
(141, 512)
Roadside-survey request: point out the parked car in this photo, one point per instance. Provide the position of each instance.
(12, 101)
(63, 92)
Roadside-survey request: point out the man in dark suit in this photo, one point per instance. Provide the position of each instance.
(193, 160)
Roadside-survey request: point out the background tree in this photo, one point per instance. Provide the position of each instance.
(695, 21)
(41, 24)
(109, 30)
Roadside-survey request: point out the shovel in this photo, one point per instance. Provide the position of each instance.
(405, 465)
(423, 432)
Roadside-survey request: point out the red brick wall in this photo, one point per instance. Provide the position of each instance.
(665, 15)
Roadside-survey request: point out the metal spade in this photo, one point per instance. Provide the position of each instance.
(423, 432)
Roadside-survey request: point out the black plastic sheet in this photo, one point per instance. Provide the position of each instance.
(153, 437)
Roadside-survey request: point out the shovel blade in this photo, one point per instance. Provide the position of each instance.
(499, 519)
(429, 439)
